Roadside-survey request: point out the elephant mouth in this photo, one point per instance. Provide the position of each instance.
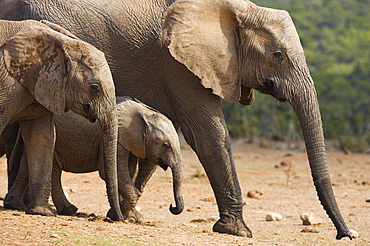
(268, 87)
(90, 113)
(281, 99)
(160, 162)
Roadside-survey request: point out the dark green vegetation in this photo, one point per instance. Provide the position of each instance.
(335, 35)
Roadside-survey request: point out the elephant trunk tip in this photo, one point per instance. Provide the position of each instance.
(179, 207)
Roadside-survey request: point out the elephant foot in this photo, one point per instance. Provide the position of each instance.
(344, 232)
(131, 216)
(11, 203)
(67, 210)
(44, 210)
(232, 225)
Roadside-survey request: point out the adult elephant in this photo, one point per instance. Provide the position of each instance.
(45, 70)
(183, 56)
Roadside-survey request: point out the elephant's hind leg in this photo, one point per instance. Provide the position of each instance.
(63, 206)
(14, 198)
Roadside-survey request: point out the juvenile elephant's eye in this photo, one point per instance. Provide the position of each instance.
(278, 55)
(94, 88)
(166, 145)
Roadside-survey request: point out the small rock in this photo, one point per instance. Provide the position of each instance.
(368, 200)
(138, 208)
(54, 235)
(310, 219)
(354, 233)
(274, 217)
(189, 225)
(254, 194)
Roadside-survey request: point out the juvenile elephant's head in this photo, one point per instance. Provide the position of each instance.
(64, 73)
(61, 72)
(148, 134)
(234, 46)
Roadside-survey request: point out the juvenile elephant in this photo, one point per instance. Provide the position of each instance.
(142, 132)
(182, 56)
(45, 71)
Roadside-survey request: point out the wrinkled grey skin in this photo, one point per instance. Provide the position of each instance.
(44, 71)
(142, 132)
(182, 56)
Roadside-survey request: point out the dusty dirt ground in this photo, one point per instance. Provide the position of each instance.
(284, 191)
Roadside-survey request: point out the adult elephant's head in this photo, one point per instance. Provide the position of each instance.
(64, 73)
(234, 46)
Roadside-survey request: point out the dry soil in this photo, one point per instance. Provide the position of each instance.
(286, 189)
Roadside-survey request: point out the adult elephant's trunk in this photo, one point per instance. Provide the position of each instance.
(110, 128)
(177, 177)
(306, 107)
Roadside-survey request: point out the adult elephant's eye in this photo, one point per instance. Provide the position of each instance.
(94, 88)
(278, 55)
(166, 145)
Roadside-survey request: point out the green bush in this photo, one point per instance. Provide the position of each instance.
(354, 144)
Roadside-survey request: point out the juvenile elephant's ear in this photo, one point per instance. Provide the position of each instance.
(132, 130)
(201, 34)
(35, 57)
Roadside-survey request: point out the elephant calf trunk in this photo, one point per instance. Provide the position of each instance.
(176, 175)
(179, 206)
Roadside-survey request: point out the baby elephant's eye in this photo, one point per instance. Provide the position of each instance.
(94, 88)
(166, 145)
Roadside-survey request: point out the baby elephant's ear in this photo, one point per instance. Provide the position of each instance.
(35, 57)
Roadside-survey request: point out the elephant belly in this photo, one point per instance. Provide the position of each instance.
(78, 143)
(76, 163)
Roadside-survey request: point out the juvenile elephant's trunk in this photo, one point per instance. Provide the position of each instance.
(177, 177)
(110, 128)
(306, 107)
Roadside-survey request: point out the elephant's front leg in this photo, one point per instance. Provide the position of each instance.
(39, 141)
(146, 169)
(203, 125)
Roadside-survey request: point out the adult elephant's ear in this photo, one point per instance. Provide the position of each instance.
(202, 34)
(35, 57)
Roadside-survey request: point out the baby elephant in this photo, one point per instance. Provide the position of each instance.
(142, 133)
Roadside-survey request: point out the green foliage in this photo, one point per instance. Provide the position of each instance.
(354, 144)
(335, 35)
